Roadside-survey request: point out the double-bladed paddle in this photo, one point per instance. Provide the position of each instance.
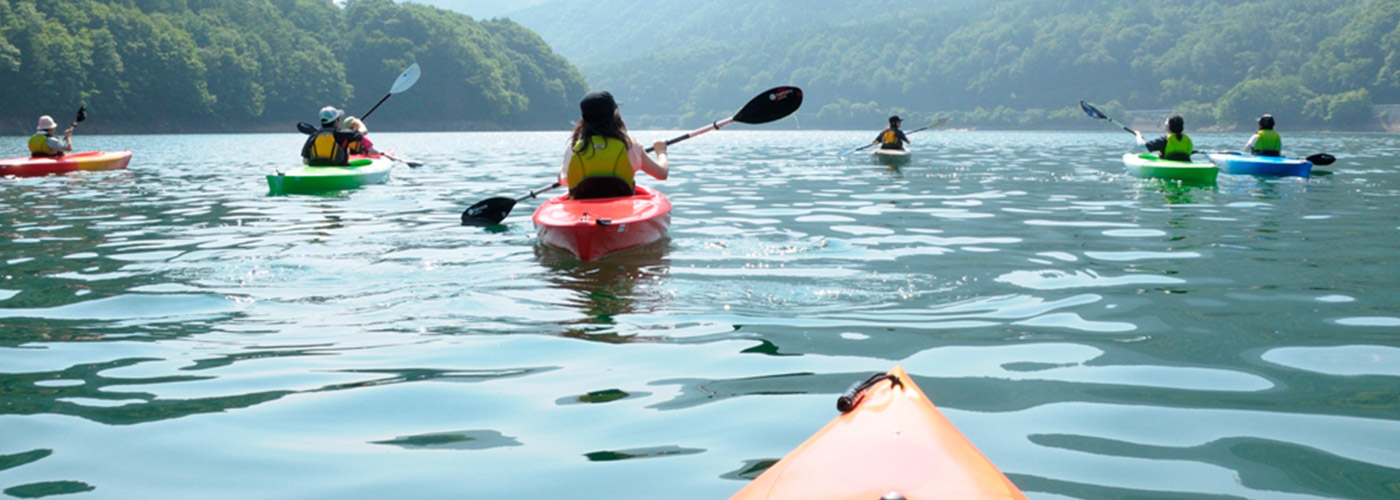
(772, 105)
(941, 121)
(402, 83)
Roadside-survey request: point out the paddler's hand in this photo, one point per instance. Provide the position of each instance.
(659, 148)
(1140, 140)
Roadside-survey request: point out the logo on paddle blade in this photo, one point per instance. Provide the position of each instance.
(782, 94)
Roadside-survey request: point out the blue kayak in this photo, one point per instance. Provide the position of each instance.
(1267, 166)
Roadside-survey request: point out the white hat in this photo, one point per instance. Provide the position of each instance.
(46, 122)
(329, 114)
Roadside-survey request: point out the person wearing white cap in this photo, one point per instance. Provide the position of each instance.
(44, 144)
(329, 145)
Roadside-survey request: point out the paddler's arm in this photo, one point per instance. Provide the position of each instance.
(1156, 145)
(659, 168)
(564, 170)
(68, 137)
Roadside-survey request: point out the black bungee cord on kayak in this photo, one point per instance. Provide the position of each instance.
(848, 399)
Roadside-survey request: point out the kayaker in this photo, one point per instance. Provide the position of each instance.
(1175, 146)
(360, 144)
(43, 144)
(892, 137)
(602, 159)
(1266, 142)
(327, 147)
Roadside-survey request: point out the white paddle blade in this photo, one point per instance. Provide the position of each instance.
(406, 80)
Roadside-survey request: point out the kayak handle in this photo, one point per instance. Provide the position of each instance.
(850, 399)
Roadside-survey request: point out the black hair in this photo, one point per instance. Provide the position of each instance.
(1176, 125)
(614, 128)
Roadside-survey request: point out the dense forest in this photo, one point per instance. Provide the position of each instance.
(992, 63)
(238, 65)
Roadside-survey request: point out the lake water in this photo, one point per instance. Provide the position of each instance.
(171, 331)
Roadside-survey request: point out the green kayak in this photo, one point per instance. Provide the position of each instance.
(1148, 165)
(362, 170)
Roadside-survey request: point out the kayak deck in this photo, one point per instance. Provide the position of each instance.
(1235, 163)
(590, 229)
(894, 440)
(1150, 166)
(28, 166)
(362, 170)
(891, 156)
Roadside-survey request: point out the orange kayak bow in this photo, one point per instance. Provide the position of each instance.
(890, 442)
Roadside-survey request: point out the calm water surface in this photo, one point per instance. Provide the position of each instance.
(171, 331)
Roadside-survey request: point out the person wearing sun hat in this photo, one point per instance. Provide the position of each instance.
(602, 159)
(44, 144)
(329, 145)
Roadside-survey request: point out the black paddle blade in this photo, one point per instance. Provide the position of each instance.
(82, 114)
(488, 212)
(1090, 110)
(773, 104)
(306, 128)
(1323, 159)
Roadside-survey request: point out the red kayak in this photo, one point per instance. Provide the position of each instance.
(890, 442)
(593, 228)
(28, 166)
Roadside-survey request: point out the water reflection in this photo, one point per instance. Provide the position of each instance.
(632, 281)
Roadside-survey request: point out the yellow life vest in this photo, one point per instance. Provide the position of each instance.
(39, 146)
(599, 156)
(1178, 149)
(324, 150)
(889, 137)
(1268, 143)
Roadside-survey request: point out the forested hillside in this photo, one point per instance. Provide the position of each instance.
(993, 63)
(232, 65)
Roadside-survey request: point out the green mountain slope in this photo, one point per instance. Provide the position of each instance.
(1001, 63)
(229, 65)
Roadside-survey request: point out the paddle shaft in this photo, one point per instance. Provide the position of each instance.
(696, 132)
(539, 191)
(376, 106)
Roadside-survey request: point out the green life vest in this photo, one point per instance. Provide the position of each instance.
(39, 146)
(1178, 149)
(324, 150)
(599, 156)
(1268, 143)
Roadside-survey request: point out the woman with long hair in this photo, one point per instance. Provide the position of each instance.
(602, 159)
